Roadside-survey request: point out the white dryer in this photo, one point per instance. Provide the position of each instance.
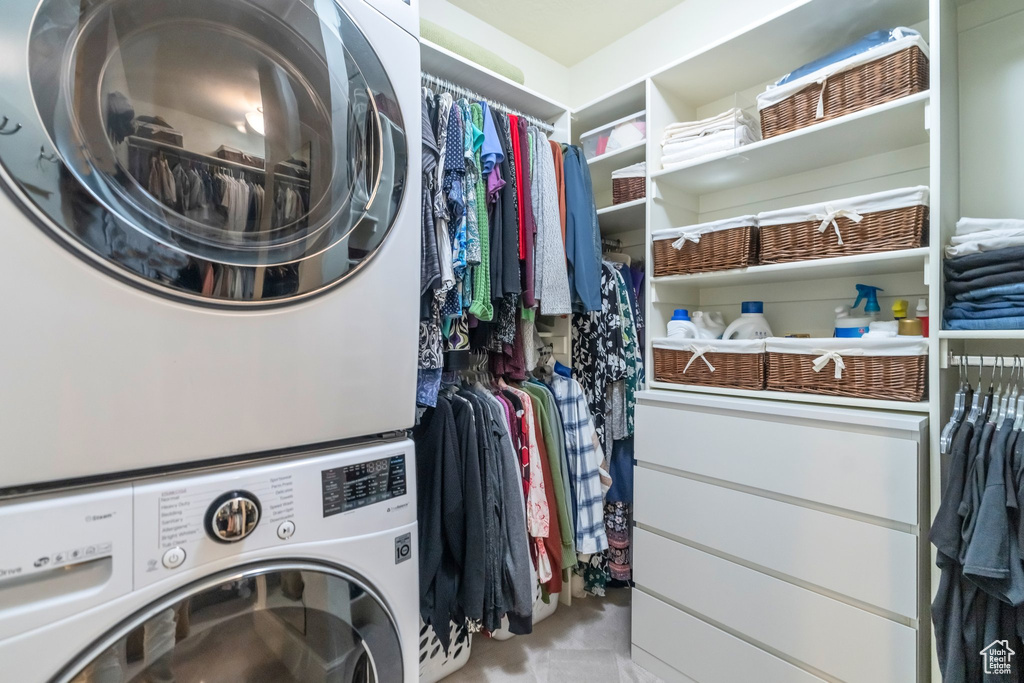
(208, 208)
(299, 570)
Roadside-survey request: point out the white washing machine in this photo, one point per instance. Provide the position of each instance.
(299, 570)
(208, 209)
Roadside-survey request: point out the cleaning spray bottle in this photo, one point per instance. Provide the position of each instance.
(871, 308)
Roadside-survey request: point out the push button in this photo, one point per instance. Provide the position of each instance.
(286, 530)
(174, 558)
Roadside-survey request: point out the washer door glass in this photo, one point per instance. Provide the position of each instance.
(300, 624)
(225, 151)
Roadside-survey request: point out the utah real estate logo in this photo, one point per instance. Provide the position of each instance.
(997, 658)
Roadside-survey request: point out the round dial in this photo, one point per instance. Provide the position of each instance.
(233, 516)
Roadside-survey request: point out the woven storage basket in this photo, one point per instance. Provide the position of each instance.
(887, 78)
(707, 247)
(628, 189)
(738, 364)
(890, 369)
(890, 221)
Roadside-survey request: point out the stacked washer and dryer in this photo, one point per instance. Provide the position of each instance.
(208, 207)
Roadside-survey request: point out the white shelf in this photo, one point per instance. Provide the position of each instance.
(982, 335)
(611, 107)
(865, 265)
(620, 158)
(780, 43)
(875, 404)
(623, 217)
(886, 127)
(438, 61)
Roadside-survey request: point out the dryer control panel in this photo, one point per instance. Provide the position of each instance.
(187, 521)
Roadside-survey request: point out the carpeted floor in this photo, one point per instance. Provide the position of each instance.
(588, 641)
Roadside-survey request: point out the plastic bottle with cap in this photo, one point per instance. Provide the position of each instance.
(869, 293)
(922, 315)
(751, 324)
(680, 326)
(849, 325)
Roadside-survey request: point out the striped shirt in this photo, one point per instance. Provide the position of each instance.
(584, 461)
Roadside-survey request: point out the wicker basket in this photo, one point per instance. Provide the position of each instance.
(872, 375)
(628, 189)
(722, 245)
(733, 364)
(890, 221)
(885, 79)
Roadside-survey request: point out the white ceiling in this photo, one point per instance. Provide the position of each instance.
(566, 30)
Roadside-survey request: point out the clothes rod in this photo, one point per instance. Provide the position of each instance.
(955, 360)
(445, 84)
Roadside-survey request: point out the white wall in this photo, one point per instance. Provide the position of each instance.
(681, 30)
(542, 73)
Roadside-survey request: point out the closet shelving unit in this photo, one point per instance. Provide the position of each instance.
(696, 441)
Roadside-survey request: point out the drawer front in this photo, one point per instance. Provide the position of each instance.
(827, 462)
(703, 652)
(827, 550)
(825, 634)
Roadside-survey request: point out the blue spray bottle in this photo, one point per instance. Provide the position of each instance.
(871, 308)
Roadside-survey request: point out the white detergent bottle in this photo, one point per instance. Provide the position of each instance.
(751, 324)
(680, 326)
(710, 324)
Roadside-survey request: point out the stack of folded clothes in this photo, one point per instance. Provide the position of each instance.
(984, 273)
(682, 142)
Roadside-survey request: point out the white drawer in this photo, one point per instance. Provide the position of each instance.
(701, 651)
(818, 547)
(825, 634)
(821, 454)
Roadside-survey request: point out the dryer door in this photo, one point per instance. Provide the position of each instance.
(294, 623)
(231, 152)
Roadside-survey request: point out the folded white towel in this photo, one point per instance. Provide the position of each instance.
(684, 152)
(966, 226)
(727, 119)
(985, 240)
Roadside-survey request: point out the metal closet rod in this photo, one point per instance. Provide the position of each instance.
(469, 94)
(955, 360)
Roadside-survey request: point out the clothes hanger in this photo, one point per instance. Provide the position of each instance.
(959, 404)
(1015, 395)
(986, 404)
(975, 406)
(1008, 397)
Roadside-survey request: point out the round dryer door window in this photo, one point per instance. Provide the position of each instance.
(231, 152)
(295, 624)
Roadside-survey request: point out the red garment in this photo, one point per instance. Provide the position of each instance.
(517, 165)
(553, 543)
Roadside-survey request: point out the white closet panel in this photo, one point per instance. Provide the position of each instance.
(817, 547)
(830, 636)
(825, 462)
(703, 652)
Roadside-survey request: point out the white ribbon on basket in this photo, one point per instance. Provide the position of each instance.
(686, 237)
(836, 357)
(698, 352)
(829, 218)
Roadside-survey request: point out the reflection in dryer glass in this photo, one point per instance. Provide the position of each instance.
(238, 151)
(284, 627)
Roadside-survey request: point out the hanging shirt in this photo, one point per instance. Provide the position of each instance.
(584, 464)
(491, 153)
(582, 234)
(551, 282)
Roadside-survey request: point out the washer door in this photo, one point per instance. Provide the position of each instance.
(232, 152)
(300, 623)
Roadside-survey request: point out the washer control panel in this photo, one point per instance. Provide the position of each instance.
(184, 522)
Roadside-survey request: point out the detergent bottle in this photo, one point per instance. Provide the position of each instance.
(680, 326)
(751, 324)
(710, 324)
(871, 308)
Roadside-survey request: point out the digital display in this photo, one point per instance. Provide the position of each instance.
(355, 486)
